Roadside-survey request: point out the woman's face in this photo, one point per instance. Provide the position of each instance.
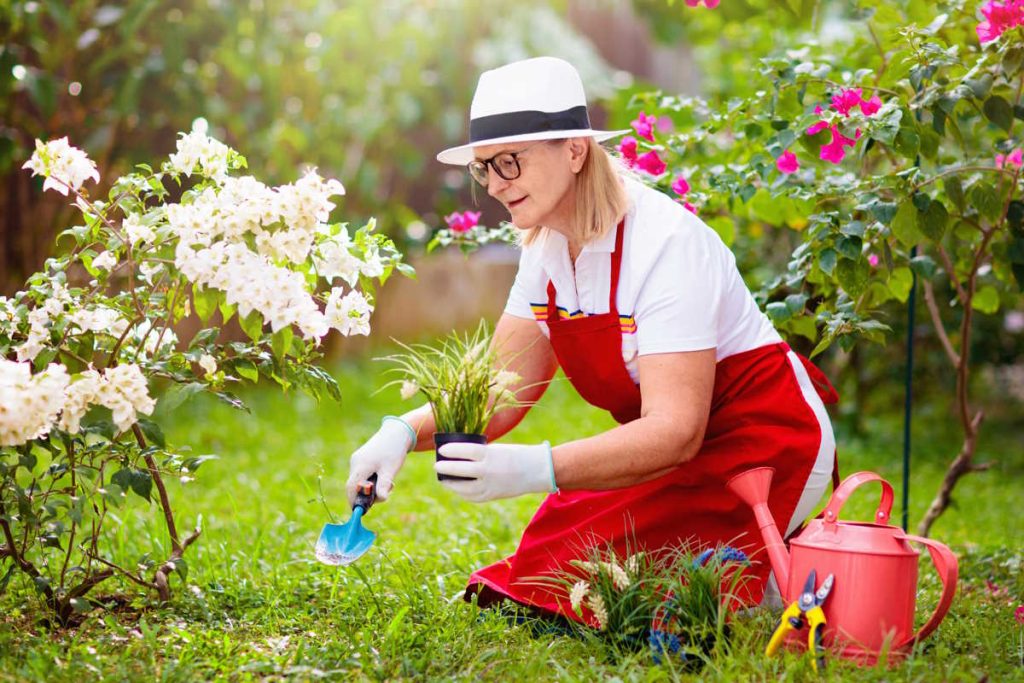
(544, 192)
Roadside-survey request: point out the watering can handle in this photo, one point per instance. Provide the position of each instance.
(948, 568)
(831, 512)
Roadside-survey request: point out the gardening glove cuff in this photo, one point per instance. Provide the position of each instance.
(384, 454)
(497, 470)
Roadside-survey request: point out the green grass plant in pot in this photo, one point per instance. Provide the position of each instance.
(463, 380)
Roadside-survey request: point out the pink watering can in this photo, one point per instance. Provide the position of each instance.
(871, 607)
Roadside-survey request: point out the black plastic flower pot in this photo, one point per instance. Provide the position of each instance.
(441, 438)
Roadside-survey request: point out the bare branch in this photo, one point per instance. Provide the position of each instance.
(940, 330)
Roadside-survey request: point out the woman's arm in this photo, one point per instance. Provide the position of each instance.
(520, 347)
(676, 390)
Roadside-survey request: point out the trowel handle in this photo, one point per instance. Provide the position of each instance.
(366, 493)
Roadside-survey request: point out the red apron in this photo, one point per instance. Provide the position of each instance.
(758, 417)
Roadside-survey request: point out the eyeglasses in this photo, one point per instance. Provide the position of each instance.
(506, 165)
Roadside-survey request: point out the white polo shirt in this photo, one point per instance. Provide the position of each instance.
(679, 288)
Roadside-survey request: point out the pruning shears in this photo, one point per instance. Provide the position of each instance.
(805, 611)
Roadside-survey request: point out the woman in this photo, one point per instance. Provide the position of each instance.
(641, 305)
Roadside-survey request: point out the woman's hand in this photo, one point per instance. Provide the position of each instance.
(497, 470)
(384, 454)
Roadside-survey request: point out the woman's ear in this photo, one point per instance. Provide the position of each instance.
(578, 150)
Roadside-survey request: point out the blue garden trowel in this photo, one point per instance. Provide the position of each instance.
(345, 543)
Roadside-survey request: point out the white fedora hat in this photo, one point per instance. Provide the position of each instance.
(534, 99)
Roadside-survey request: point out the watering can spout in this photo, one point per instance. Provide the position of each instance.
(752, 488)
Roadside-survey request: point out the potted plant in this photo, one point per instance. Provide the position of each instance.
(462, 379)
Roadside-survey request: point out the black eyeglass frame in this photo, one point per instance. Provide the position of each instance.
(481, 165)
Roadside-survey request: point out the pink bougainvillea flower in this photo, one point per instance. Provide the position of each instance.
(999, 16)
(846, 100)
(690, 207)
(651, 163)
(819, 126)
(1014, 159)
(787, 163)
(462, 222)
(680, 186)
(834, 151)
(627, 148)
(1018, 614)
(871, 107)
(644, 126)
(873, 260)
(665, 124)
(710, 4)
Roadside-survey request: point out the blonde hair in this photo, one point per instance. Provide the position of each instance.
(601, 198)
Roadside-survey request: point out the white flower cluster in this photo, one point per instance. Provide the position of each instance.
(65, 167)
(29, 403)
(197, 149)
(39, 321)
(212, 252)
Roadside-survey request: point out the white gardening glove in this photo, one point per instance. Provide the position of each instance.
(497, 470)
(384, 453)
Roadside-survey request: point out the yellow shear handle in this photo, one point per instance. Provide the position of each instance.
(785, 626)
(816, 619)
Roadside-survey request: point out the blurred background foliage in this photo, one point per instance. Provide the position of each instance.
(370, 90)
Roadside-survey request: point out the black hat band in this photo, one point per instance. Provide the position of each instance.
(526, 122)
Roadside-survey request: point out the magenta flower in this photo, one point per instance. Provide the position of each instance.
(819, 126)
(846, 100)
(834, 151)
(1014, 158)
(1018, 614)
(690, 207)
(710, 4)
(627, 148)
(873, 260)
(651, 163)
(999, 16)
(787, 163)
(870, 107)
(680, 186)
(645, 125)
(462, 222)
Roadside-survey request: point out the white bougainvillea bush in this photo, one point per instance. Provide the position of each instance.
(94, 343)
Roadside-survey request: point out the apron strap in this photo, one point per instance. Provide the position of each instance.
(613, 290)
(552, 308)
(616, 267)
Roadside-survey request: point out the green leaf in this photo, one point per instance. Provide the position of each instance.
(179, 393)
(907, 142)
(882, 211)
(154, 435)
(929, 143)
(955, 192)
(986, 201)
(904, 224)
(924, 266)
(1012, 61)
(778, 312)
(999, 112)
(205, 301)
(252, 325)
(986, 300)
(932, 222)
(247, 369)
(804, 326)
(853, 275)
(227, 311)
(138, 481)
(849, 247)
(725, 227)
(827, 261)
(901, 280)
(281, 342)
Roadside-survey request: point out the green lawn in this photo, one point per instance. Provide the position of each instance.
(257, 605)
